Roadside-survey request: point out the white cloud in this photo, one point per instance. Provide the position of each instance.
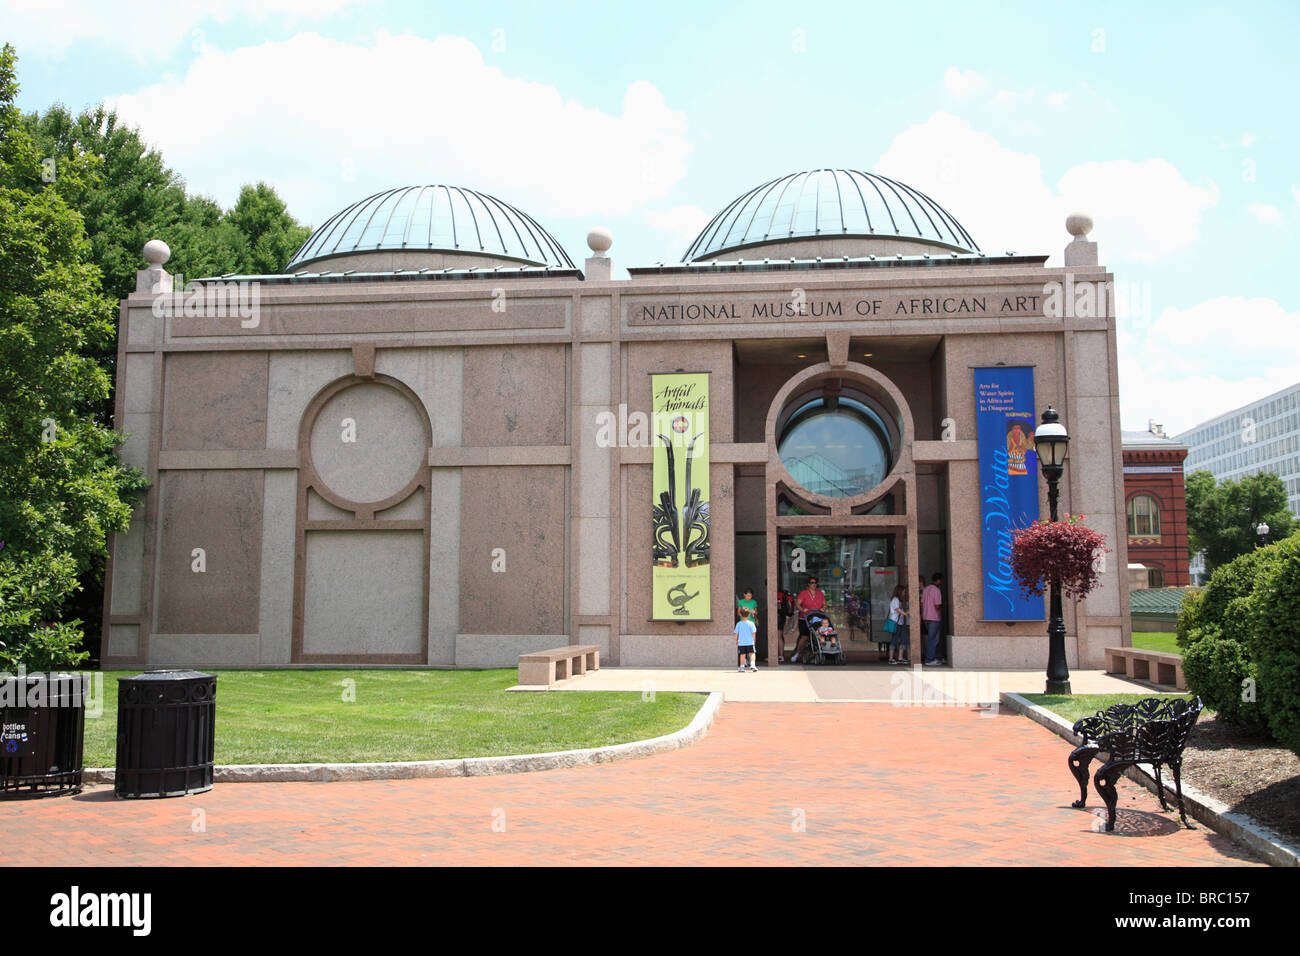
(679, 225)
(1264, 212)
(1295, 193)
(1248, 140)
(1192, 364)
(1182, 368)
(146, 29)
(998, 194)
(328, 122)
(1010, 99)
(1144, 211)
(1058, 101)
(963, 82)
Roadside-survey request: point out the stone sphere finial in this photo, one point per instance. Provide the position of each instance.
(600, 239)
(156, 252)
(1078, 224)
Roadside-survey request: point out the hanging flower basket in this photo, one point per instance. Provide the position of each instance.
(1065, 551)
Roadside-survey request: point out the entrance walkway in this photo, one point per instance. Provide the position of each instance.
(773, 783)
(849, 683)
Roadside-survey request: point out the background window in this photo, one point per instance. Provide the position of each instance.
(836, 446)
(1155, 578)
(1143, 517)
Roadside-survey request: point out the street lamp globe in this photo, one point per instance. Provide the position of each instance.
(1051, 441)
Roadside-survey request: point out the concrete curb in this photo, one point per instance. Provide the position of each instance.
(1214, 813)
(459, 767)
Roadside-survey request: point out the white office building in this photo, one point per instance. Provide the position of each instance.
(1263, 436)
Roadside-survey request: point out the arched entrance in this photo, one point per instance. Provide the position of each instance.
(841, 499)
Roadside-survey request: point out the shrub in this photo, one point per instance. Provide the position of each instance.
(1234, 580)
(1190, 616)
(1216, 669)
(1275, 642)
(48, 647)
(32, 588)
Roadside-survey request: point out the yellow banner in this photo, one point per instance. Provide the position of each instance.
(680, 432)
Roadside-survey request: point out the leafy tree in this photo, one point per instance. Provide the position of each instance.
(271, 234)
(1198, 488)
(134, 197)
(62, 490)
(129, 196)
(1221, 518)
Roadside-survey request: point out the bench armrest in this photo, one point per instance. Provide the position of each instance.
(1090, 728)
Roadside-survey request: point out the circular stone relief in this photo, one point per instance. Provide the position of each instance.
(368, 442)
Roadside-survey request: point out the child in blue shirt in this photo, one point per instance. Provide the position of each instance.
(745, 631)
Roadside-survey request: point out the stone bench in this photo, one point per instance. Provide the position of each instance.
(1139, 664)
(559, 663)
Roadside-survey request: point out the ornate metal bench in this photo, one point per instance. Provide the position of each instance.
(1151, 731)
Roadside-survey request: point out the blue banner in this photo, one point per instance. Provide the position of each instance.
(1004, 425)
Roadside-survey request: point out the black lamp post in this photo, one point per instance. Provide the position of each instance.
(1051, 443)
(1261, 530)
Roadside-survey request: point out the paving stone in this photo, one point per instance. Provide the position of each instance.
(873, 784)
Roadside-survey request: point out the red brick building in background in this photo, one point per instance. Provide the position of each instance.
(1155, 505)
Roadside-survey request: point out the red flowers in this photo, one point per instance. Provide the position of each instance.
(1065, 551)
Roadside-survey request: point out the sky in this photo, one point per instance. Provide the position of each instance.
(1172, 124)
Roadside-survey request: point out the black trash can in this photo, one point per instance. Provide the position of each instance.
(42, 726)
(165, 728)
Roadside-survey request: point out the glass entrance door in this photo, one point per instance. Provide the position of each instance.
(858, 574)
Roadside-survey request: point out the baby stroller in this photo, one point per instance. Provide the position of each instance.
(823, 648)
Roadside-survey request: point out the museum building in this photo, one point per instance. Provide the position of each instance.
(434, 440)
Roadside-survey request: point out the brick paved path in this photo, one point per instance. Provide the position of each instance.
(874, 784)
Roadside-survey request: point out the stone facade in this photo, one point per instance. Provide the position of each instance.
(404, 469)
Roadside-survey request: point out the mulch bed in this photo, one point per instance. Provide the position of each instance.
(1251, 775)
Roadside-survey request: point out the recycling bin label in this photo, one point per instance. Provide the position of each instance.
(17, 740)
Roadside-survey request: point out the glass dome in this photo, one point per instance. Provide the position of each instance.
(449, 219)
(828, 204)
(836, 446)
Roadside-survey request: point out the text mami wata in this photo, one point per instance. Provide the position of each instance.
(997, 517)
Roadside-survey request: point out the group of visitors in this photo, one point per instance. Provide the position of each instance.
(896, 624)
(812, 598)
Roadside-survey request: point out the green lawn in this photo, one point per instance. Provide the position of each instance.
(301, 716)
(1157, 641)
(1074, 706)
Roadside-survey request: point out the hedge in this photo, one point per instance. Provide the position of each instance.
(1217, 668)
(1275, 644)
(1213, 605)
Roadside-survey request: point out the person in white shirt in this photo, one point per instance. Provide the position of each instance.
(899, 646)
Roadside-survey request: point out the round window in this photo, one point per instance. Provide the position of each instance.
(836, 446)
